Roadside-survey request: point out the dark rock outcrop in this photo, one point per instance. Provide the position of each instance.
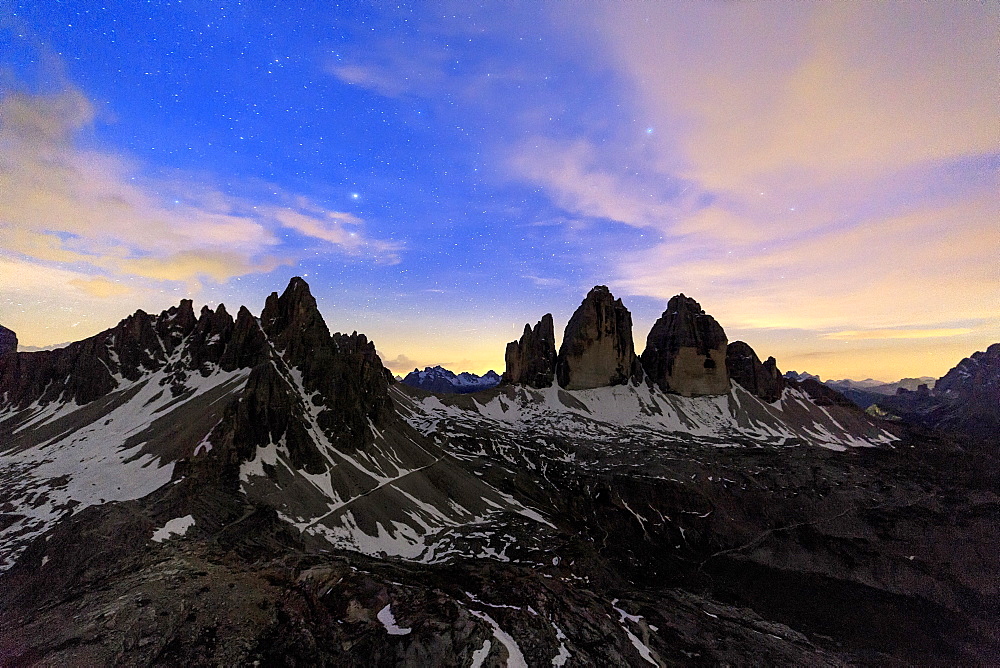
(342, 374)
(966, 400)
(762, 380)
(597, 348)
(531, 360)
(686, 351)
(8, 341)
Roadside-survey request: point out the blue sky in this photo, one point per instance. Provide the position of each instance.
(822, 177)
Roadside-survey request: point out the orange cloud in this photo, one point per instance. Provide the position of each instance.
(761, 95)
(100, 287)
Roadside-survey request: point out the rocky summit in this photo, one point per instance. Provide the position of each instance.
(531, 360)
(597, 348)
(205, 490)
(686, 351)
(8, 341)
(763, 380)
(965, 400)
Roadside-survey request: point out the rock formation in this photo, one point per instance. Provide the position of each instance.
(531, 360)
(8, 341)
(597, 348)
(686, 351)
(965, 400)
(763, 380)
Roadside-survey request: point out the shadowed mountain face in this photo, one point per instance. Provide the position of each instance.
(965, 400)
(201, 490)
(531, 360)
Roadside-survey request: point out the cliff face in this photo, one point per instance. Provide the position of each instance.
(531, 360)
(597, 348)
(763, 380)
(8, 341)
(686, 351)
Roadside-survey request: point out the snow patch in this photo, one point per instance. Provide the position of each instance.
(175, 527)
(515, 659)
(389, 622)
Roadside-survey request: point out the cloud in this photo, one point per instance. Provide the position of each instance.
(392, 68)
(933, 264)
(853, 335)
(100, 287)
(101, 213)
(756, 94)
(576, 176)
(400, 364)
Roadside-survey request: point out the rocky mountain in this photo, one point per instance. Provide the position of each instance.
(762, 379)
(203, 490)
(686, 351)
(799, 377)
(597, 348)
(965, 400)
(878, 387)
(8, 341)
(531, 360)
(438, 379)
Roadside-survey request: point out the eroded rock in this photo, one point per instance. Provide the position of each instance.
(760, 379)
(531, 360)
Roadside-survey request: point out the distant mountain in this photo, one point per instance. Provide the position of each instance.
(441, 380)
(879, 387)
(799, 377)
(966, 400)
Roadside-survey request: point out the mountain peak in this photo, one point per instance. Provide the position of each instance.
(531, 360)
(597, 348)
(444, 381)
(686, 350)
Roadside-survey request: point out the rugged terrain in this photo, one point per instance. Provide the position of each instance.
(205, 490)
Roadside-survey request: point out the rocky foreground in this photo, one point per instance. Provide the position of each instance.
(217, 491)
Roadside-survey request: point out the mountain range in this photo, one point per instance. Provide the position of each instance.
(201, 489)
(438, 379)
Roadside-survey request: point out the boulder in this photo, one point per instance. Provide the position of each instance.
(686, 351)
(531, 360)
(597, 348)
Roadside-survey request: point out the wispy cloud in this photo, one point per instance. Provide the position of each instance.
(99, 212)
(856, 335)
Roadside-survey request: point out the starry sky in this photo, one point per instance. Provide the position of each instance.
(823, 177)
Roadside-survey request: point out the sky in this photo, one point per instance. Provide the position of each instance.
(824, 178)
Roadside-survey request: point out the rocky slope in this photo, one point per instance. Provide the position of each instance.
(208, 490)
(762, 379)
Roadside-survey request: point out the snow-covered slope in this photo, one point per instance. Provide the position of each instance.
(59, 457)
(643, 412)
